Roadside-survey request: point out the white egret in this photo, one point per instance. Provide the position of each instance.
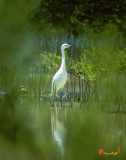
(60, 78)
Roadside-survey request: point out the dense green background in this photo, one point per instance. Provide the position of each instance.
(31, 33)
(78, 15)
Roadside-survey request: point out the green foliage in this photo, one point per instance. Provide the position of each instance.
(77, 16)
(14, 17)
(121, 65)
(93, 63)
(51, 61)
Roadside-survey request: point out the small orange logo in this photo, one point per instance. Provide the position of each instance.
(101, 152)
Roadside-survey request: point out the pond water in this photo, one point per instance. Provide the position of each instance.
(45, 132)
(77, 132)
(90, 131)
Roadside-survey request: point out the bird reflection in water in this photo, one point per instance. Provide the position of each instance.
(58, 128)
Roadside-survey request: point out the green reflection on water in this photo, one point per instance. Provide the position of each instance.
(34, 130)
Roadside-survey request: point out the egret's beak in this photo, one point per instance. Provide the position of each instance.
(69, 46)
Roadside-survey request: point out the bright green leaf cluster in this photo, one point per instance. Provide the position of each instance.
(93, 63)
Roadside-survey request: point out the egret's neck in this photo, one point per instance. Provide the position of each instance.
(63, 59)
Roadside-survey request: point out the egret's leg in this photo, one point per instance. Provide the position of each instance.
(61, 96)
(54, 91)
(53, 94)
(56, 95)
(61, 93)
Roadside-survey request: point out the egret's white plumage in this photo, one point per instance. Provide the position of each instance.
(60, 78)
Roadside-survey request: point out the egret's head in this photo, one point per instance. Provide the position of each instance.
(65, 45)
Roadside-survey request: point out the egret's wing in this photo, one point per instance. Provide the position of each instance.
(56, 80)
(59, 80)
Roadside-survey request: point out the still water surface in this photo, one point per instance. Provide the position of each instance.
(106, 130)
(68, 133)
(79, 132)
